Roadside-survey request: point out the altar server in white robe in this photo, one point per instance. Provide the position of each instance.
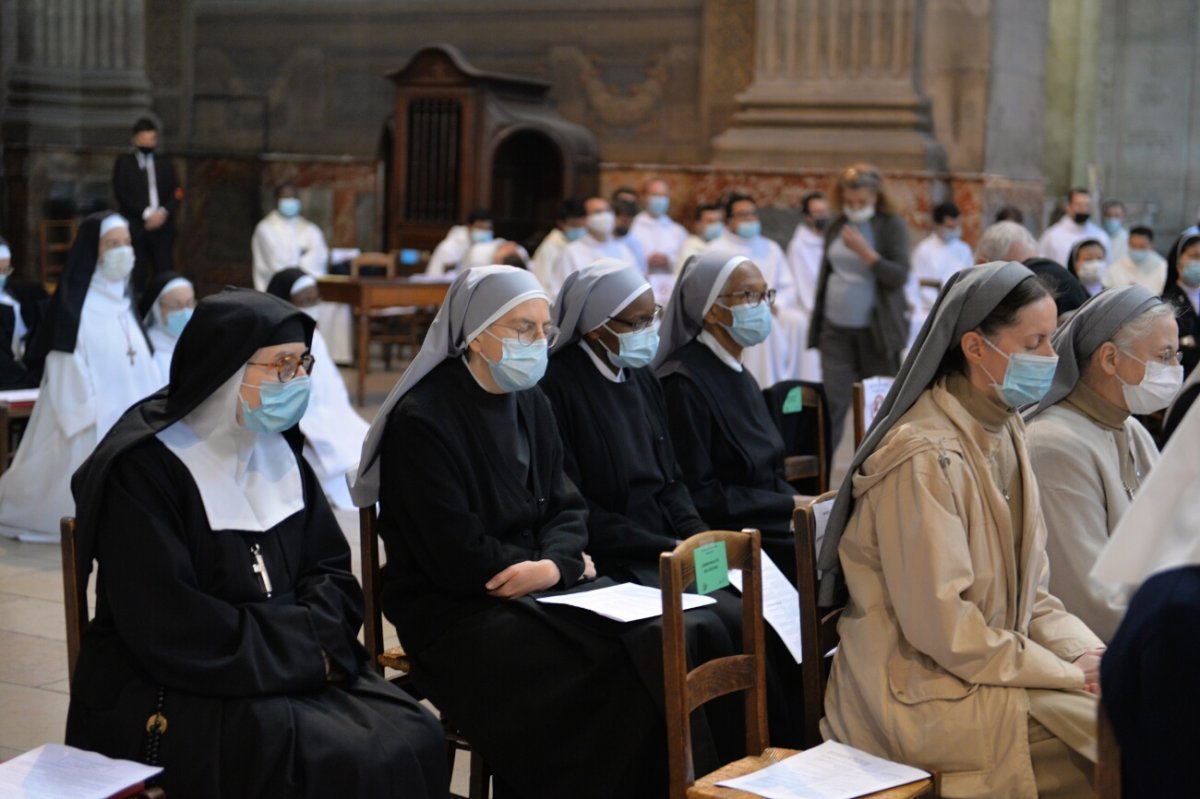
(451, 252)
(283, 239)
(659, 236)
(1118, 355)
(778, 358)
(95, 362)
(165, 309)
(333, 430)
(598, 243)
(1076, 224)
(935, 258)
(568, 227)
(804, 254)
(19, 329)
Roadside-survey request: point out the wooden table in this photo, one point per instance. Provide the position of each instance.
(365, 294)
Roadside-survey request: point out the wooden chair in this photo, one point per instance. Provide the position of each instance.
(75, 598)
(1108, 760)
(805, 434)
(819, 635)
(395, 657)
(861, 423)
(403, 326)
(55, 237)
(13, 421)
(688, 690)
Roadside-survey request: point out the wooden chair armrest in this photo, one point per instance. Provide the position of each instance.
(396, 658)
(800, 467)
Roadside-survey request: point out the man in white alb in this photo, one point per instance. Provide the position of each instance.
(598, 243)
(1076, 224)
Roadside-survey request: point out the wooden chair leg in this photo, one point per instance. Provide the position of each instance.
(480, 777)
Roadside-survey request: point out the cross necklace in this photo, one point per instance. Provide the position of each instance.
(129, 350)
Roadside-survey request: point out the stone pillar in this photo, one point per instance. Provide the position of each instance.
(834, 81)
(76, 75)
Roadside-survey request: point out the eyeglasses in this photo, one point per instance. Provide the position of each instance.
(752, 298)
(1166, 356)
(642, 322)
(286, 366)
(530, 332)
(178, 306)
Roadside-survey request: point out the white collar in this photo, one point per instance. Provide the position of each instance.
(142, 158)
(601, 367)
(247, 481)
(710, 341)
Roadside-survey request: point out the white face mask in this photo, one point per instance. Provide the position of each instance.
(1158, 387)
(116, 264)
(602, 223)
(1091, 272)
(860, 215)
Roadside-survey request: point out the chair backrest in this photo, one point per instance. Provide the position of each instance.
(864, 416)
(373, 613)
(818, 632)
(376, 260)
(55, 237)
(75, 600)
(688, 690)
(804, 432)
(1108, 760)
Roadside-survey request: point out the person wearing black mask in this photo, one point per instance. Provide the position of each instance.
(148, 196)
(1076, 223)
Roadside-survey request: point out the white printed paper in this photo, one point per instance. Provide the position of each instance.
(875, 389)
(54, 771)
(781, 604)
(19, 395)
(829, 771)
(624, 601)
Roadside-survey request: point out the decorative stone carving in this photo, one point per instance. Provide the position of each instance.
(834, 80)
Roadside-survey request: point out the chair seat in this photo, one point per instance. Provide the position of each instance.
(396, 658)
(706, 787)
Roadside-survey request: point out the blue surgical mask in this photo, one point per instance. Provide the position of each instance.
(177, 320)
(281, 406)
(521, 365)
(712, 231)
(1026, 379)
(480, 236)
(575, 233)
(636, 347)
(951, 236)
(751, 323)
(1111, 225)
(748, 230)
(289, 206)
(1191, 272)
(1138, 256)
(658, 204)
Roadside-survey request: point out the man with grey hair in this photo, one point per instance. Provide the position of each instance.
(1005, 241)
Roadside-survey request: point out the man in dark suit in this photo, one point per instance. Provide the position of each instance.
(147, 195)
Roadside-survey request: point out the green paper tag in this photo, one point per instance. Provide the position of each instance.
(712, 567)
(794, 401)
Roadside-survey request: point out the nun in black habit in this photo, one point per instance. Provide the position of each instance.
(225, 600)
(478, 517)
(617, 449)
(730, 450)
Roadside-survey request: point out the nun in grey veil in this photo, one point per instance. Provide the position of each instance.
(953, 653)
(1116, 359)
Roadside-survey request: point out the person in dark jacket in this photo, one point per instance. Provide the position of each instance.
(860, 323)
(147, 194)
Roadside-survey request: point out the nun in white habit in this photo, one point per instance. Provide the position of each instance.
(1118, 355)
(333, 430)
(165, 308)
(95, 362)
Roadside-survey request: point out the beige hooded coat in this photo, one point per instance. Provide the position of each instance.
(948, 623)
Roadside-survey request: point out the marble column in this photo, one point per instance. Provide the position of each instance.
(75, 71)
(834, 81)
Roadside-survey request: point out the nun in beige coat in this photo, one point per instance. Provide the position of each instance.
(954, 655)
(1118, 354)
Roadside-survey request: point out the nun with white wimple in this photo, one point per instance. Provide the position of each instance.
(95, 362)
(333, 430)
(1118, 356)
(954, 655)
(165, 307)
(478, 516)
(1152, 565)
